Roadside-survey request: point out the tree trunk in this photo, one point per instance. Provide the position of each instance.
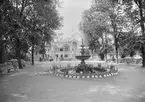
(143, 56)
(26, 57)
(106, 57)
(32, 54)
(116, 51)
(1, 54)
(43, 56)
(92, 53)
(2, 51)
(142, 30)
(106, 48)
(115, 38)
(18, 53)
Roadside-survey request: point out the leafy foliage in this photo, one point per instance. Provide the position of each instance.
(27, 23)
(102, 20)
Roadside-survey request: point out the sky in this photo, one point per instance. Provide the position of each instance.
(71, 11)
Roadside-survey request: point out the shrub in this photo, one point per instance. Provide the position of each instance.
(132, 53)
(112, 66)
(102, 56)
(123, 55)
(99, 65)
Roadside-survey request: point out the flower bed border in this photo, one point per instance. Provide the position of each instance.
(112, 72)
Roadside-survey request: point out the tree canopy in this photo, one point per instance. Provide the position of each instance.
(122, 19)
(28, 22)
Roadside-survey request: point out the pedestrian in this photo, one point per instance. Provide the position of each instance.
(40, 59)
(113, 59)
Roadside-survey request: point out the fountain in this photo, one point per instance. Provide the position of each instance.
(83, 67)
(84, 70)
(83, 57)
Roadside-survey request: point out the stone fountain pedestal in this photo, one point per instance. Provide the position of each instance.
(83, 67)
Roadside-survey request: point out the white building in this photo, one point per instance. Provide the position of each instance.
(64, 49)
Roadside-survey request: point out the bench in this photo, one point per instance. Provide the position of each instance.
(6, 68)
(12, 65)
(23, 62)
(127, 60)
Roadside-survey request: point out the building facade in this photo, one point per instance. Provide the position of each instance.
(63, 49)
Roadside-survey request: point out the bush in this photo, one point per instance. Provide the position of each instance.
(132, 53)
(100, 69)
(123, 55)
(102, 56)
(99, 64)
(112, 66)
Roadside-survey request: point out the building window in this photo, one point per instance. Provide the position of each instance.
(66, 48)
(36, 53)
(61, 49)
(56, 49)
(66, 56)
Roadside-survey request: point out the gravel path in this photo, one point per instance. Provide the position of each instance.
(35, 85)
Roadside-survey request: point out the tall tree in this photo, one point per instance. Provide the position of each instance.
(103, 14)
(114, 12)
(20, 20)
(139, 7)
(42, 24)
(7, 11)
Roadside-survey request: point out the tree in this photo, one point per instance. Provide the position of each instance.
(93, 25)
(6, 9)
(115, 19)
(104, 18)
(48, 21)
(139, 18)
(22, 28)
(94, 45)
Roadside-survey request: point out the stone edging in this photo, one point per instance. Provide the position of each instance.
(70, 76)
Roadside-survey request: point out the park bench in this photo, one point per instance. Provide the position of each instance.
(12, 65)
(15, 63)
(6, 68)
(127, 60)
(138, 61)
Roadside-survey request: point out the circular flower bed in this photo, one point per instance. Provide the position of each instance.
(93, 72)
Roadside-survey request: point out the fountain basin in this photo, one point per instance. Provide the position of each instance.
(83, 57)
(84, 71)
